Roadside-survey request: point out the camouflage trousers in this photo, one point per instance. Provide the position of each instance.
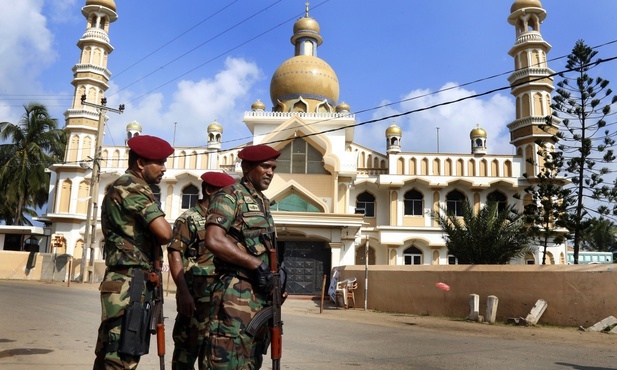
(233, 305)
(190, 333)
(115, 297)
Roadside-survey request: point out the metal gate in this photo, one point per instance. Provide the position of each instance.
(306, 262)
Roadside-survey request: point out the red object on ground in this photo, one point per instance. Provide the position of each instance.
(443, 286)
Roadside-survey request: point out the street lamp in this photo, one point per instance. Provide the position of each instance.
(92, 213)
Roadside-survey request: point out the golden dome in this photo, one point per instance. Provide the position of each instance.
(106, 3)
(478, 131)
(306, 24)
(133, 126)
(393, 130)
(343, 107)
(521, 4)
(215, 126)
(306, 76)
(258, 105)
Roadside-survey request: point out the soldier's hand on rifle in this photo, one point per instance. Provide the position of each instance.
(264, 277)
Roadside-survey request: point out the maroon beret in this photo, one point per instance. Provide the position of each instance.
(258, 153)
(217, 179)
(150, 147)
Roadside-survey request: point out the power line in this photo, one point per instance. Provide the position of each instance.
(175, 39)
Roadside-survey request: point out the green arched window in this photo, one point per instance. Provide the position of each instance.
(294, 203)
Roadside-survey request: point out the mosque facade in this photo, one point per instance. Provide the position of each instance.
(335, 202)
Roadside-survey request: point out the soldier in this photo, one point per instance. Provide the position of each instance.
(237, 217)
(135, 228)
(193, 271)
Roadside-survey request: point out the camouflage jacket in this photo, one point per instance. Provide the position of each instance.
(128, 208)
(245, 214)
(188, 239)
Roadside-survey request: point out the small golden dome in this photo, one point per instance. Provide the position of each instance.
(521, 4)
(306, 24)
(477, 132)
(393, 130)
(306, 76)
(106, 3)
(258, 105)
(215, 126)
(133, 126)
(343, 107)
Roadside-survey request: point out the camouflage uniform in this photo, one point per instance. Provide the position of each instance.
(245, 214)
(127, 209)
(189, 333)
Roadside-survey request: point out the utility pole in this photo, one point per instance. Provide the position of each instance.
(92, 213)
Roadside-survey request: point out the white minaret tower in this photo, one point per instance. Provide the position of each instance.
(215, 139)
(531, 82)
(133, 129)
(478, 140)
(69, 194)
(393, 139)
(90, 78)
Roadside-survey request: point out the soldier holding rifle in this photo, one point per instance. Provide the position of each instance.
(134, 227)
(239, 232)
(192, 269)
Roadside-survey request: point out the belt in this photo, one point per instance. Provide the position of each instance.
(129, 271)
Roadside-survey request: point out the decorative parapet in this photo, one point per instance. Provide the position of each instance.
(84, 68)
(530, 36)
(95, 34)
(323, 115)
(531, 71)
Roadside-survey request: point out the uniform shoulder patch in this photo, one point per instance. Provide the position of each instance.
(231, 198)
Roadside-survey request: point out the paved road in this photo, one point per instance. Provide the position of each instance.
(45, 326)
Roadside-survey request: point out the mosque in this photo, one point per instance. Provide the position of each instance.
(335, 202)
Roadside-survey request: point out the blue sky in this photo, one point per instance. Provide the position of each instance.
(194, 61)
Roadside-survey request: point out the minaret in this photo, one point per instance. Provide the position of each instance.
(393, 139)
(90, 78)
(478, 140)
(215, 139)
(531, 80)
(133, 129)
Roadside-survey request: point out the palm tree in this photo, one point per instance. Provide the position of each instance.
(601, 236)
(488, 237)
(27, 149)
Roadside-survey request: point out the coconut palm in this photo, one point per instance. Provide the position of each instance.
(488, 237)
(27, 149)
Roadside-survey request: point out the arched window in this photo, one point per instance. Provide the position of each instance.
(366, 201)
(294, 203)
(300, 157)
(412, 256)
(189, 196)
(454, 202)
(413, 201)
(499, 198)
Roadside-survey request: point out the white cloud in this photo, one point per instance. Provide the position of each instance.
(26, 46)
(194, 105)
(455, 121)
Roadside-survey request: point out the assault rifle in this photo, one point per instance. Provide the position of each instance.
(271, 313)
(157, 323)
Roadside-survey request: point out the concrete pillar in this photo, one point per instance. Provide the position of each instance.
(474, 307)
(536, 312)
(491, 309)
